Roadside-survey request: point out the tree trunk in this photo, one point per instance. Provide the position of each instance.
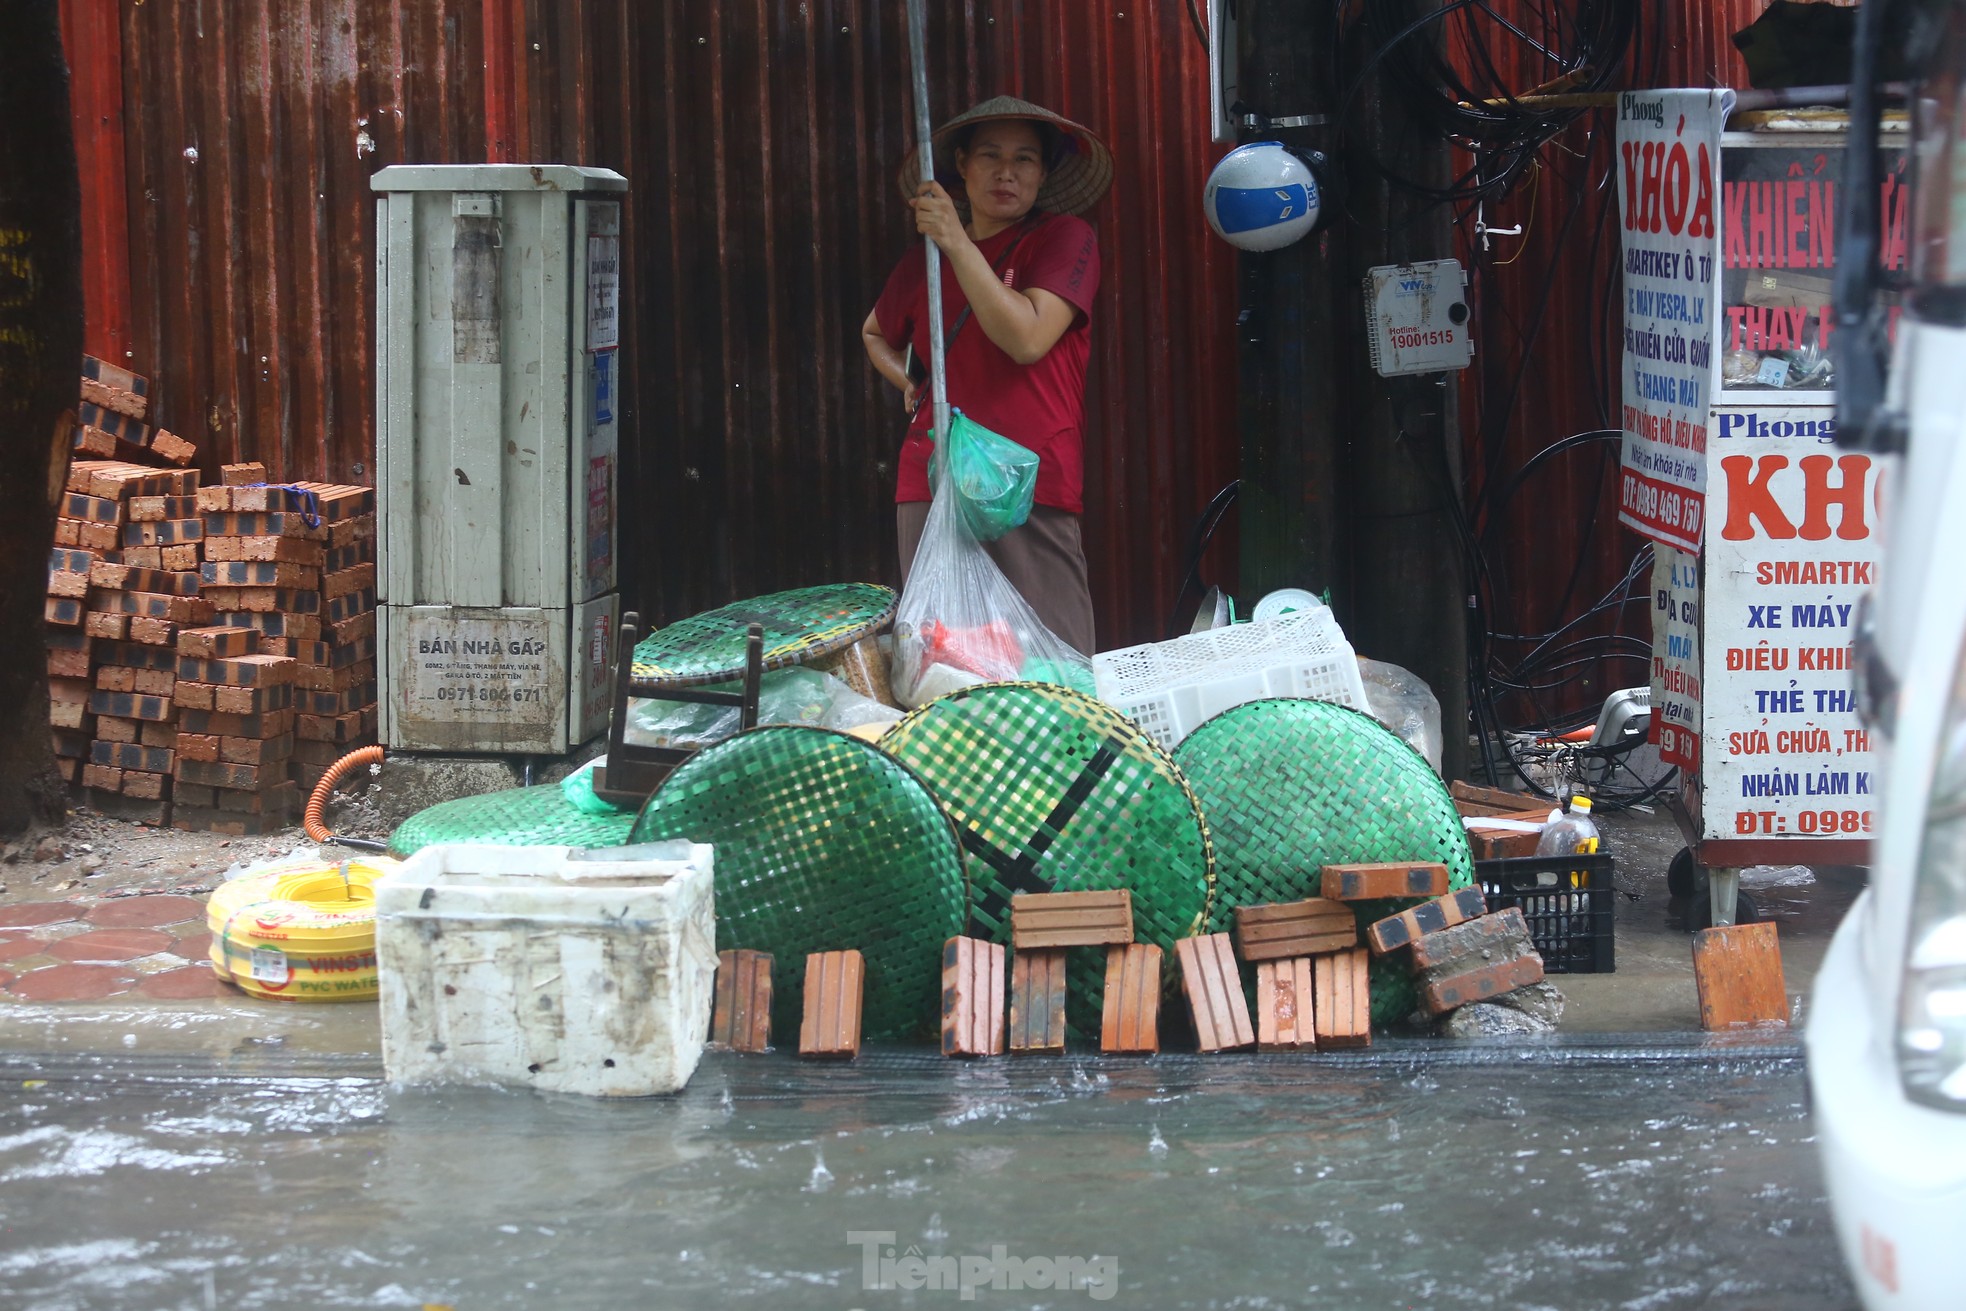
(40, 361)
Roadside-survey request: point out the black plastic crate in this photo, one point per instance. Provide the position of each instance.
(1568, 902)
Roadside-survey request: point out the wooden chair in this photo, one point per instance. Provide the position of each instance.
(633, 773)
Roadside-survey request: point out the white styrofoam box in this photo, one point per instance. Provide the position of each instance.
(1170, 688)
(553, 967)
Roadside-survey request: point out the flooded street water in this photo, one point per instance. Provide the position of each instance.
(1569, 1176)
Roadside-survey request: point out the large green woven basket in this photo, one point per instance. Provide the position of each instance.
(823, 843)
(1052, 790)
(1289, 786)
(801, 626)
(518, 817)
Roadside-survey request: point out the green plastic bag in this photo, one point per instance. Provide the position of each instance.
(994, 477)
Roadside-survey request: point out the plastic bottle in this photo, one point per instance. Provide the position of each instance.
(1571, 833)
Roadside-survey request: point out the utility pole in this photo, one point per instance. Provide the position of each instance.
(1349, 479)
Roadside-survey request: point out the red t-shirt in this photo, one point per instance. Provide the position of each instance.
(1039, 406)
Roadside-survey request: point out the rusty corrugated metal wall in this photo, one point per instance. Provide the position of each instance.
(226, 154)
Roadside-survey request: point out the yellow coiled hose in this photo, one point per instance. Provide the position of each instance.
(299, 934)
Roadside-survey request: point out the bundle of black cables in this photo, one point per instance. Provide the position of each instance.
(1458, 64)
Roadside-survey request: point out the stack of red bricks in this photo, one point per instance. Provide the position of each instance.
(335, 689)
(137, 529)
(1459, 951)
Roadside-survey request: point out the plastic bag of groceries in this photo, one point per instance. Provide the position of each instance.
(995, 478)
(960, 622)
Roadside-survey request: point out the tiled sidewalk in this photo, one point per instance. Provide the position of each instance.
(152, 946)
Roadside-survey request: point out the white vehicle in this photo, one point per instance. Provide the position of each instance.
(1887, 1028)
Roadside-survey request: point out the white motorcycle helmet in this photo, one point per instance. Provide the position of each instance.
(1261, 197)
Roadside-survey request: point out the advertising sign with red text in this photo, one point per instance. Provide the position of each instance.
(1669, 200)
(1791, 547)
(1676, 671)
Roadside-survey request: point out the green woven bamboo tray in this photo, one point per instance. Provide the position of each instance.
(802, 625)
(519, 817)
(1052, 790)
(823, 843)
(1289, 786)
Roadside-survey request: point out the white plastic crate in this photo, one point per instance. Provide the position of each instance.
(550, 967)
(1170, 688)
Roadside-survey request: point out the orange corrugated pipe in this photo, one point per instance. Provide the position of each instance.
(317, 804)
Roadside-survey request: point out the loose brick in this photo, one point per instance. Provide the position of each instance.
(144, 785)
(341, 502)
(64, 583)
(114, 387)
(833, 985)
(70, 714)
(194, 696)
(740, 1019)
(143, 557)
(91, 509)
(166, 532)
(300, 652)
(105, 778)
(1285, 1006)
(291, 549)
(255, 750)
(75, 690)
(269, 724)
(347, 557)
(258, 573)
(128, 705)
(240, 475)
(254, 500)
(157, 735)
(220, 643)
(131, 755)
(194, 794)
(170, 446)
(336, 704)
(264, 600)
(93, 441)
(153, 632)
(360, 578)
(1442, 994)
(109, 626)
(111, 729)
(68, 664)
(201, 747)
(64, 610)
(1738, 972)
(68, 533)
(155, 605)
(154, 682)
(66, 639)
(1214, 991)
(63, 559)
(350, 631)
(349, 606)
(156, 509)
(1487, 937)
(179, 559)
(1342, 1002)
(117, 678)
(1384, 879)
(972, 997)
(1130, 1022)
(98, 536)
(288, 524)
(238, 671)
(1290, 929)
(222, 774)
(341, 728)
(137, 655)
(351, 532)
(1396, 931)
(1037, 1002)
(1071, 919)
(306, 627)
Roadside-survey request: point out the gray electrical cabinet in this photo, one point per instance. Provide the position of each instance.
(497, 327)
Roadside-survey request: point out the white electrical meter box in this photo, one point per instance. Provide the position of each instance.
(498, 299)
(1417, 317)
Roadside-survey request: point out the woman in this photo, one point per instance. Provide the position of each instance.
(1017, 263)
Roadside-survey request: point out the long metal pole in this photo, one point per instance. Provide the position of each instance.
(918, 55)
